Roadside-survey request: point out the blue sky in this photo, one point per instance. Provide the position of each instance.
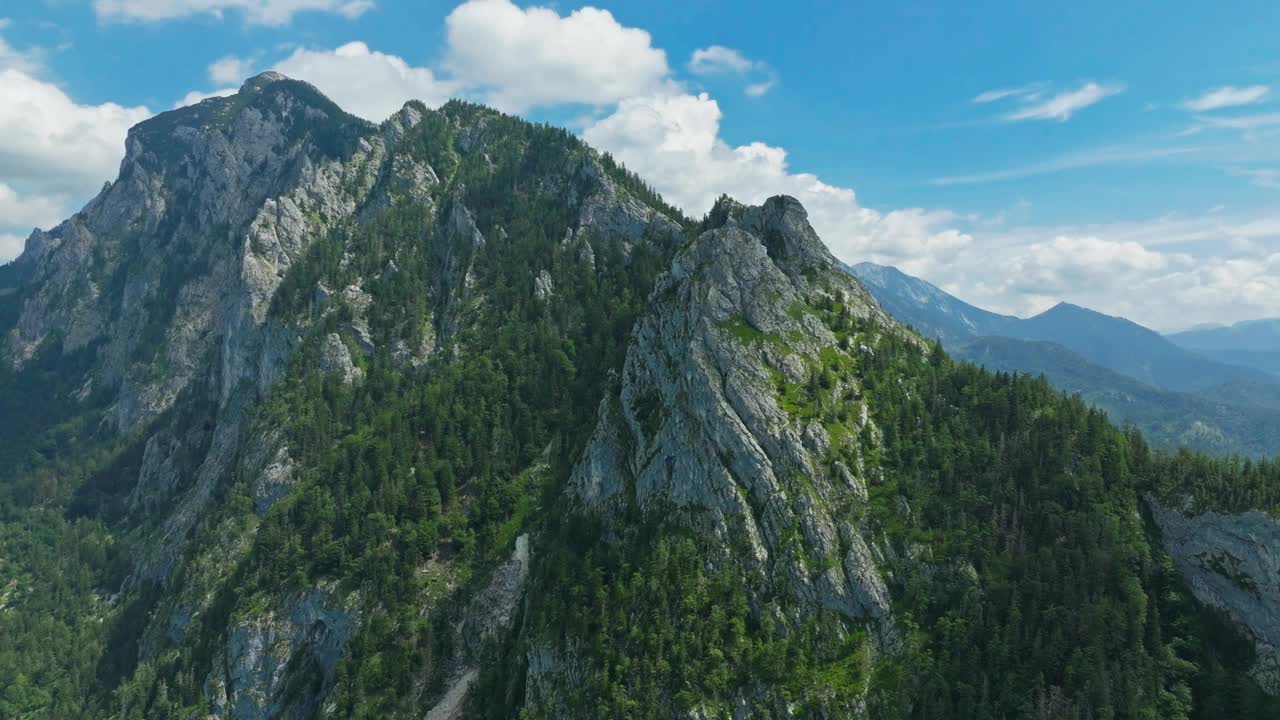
(1123, 156)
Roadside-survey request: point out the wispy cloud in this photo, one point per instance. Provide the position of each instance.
(1029, 91)
(721, 60)
(1036, 101)
(258, 12)
(1227, 96)
(762, 87)
(29, 61)
(1063, 105)
(1262, 177)
(718, 59)
(1242, 122)
(1113, 155)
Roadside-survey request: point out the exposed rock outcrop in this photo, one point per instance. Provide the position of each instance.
(1232, 562)
(488, 616)
(306, 637)
(696, 425)
(184, 267)
(335, 359)
(254, 244)
(696, 432)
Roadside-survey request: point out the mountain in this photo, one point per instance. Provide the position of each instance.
(1110, 342)
(1130, 349)
(453, 417)
(1176, 396)
(928, 309)
(1253, 343)
(1171, 419)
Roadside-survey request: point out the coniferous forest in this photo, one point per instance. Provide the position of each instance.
(1011, 523)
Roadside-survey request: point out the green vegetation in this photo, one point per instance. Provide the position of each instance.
(1210, 422)
(1025, 498)
(1022, 578)
(442, 466)
(657, 630)
(1223, 484)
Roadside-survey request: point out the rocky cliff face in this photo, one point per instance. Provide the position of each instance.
(170, 281)
(697, 427)
(1231, 562)
(696, 436)
(354, 386)
(168, 271)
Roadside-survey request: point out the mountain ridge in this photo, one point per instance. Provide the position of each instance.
(1177, 397)
(453, 416)
(1251, 343)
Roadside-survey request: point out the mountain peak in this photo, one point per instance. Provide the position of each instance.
(724, 209)
(782, 223)
(879, 274)
(926, 307)
(262, 80)
(1064, 307)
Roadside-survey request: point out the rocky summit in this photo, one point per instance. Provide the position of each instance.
(454, 417)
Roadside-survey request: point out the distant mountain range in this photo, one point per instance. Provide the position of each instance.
(1191, 389)
(1253, 343)
(928, 308)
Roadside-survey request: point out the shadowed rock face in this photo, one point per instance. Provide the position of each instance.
(1232, 562)
(251, 672)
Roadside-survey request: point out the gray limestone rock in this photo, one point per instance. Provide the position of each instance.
(274, 481)
(335, 359)
(489, 615)
(542, 285)
(159, 472)
(173, 266)
(696, 426)
(1232, 562)
(309, 631)
(492, 611)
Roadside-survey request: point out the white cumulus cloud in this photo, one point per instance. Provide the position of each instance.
(366, 82)
(528, 57)
(49, 141)
(27, 61)
(10, 246)
(1081, 264)
(673, 140)
(18, 211)
(230, 70)
(54, 153)
(1164, 272)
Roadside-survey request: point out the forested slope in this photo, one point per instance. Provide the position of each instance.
(453, 417)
